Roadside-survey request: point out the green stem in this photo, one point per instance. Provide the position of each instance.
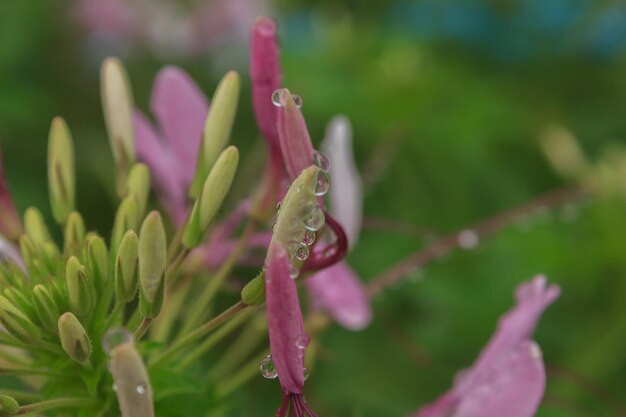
(246, 373)
(174, 300)
(217, 281)
(56, 403)
(212, 340)
(143, 328)
(172, 269)
(200, 331)
(14, 371)
(119, 307)
(20, 395)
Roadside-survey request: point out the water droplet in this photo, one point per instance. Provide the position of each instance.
(141, 389)
(302, 341)
(306, 373)
(292, 247)
(535, 351)
(314, 218)
(309, 237)
(322, 183)
(321, 161)
(294, 272)
(468, 239)
(302, 253)
(297, 100)
(267, 368)
(278, 98)
(114, 337)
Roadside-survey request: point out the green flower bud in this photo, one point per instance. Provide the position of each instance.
(80, 289)
(61, 175)
(97, 259)
(16, 323)
(126, 218)
(138, 186)
(46, 308)
(28, 251)
(18, 297)
(74, 339)
(217, 128)
(74, 233)
(253, 294)
(152, 263)
(117, 104)
(8, 406)
(35, 226)
(214, 191)
(133, 390)
(126, 276)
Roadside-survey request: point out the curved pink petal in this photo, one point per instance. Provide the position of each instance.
(295, 142)
(9, 252)
(266, 76)
(284, 319)
(339, 291)
(346, 191)
(181, 110)
(151, 150)
(513, 388)
(443, 407)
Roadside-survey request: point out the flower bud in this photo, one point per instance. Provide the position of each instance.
(8, 406)
(10, 223)
(21, 301)
(214, 191)
(74, 339)
(28, 251)
(117, 104)
(126, 218)
(61, 174)
(126, 276)
(97, 259)
(217, 128)
(138, 186)
(79, 287)
(47, 309)
(133, 390)
(253, 294)
(35, 226)
(74, 233)
(152, 263)
(16, 323)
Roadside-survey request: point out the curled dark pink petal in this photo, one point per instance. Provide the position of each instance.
(339, 291)
(295, 142)
(152, 151)
(266, 77)
(513, 388)
(284, 319)
(181, 110)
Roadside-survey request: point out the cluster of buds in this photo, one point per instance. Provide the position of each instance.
(74, 315)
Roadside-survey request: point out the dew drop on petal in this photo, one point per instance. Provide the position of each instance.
(302, 253)
(468, 239)
(267, 368)
(294, 272)
(309, 237)
(141, 389)
(278, 98)
(297, 100)
(292, 247)
(114, 337)
(314, 218)
(321, 161)
(322, 183)
(302, 341)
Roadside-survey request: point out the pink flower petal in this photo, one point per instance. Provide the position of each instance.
(295, 142)
(181, 110)
(346, 191)
(442, 407)
(151, 150)
(9, 252)
(266, 76)
(284, 319)
(339, 291)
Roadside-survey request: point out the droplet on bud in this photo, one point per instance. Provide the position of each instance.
(314, 218)
(278, 98)
(297, 100)
(141, 389)
(321, 161)
(267, 368)
(115, 337)
(294, 272)
(302, 252)
(302, 341)
(309, 237)
(322, 183)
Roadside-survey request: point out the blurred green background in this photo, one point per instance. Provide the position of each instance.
(448, 100)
